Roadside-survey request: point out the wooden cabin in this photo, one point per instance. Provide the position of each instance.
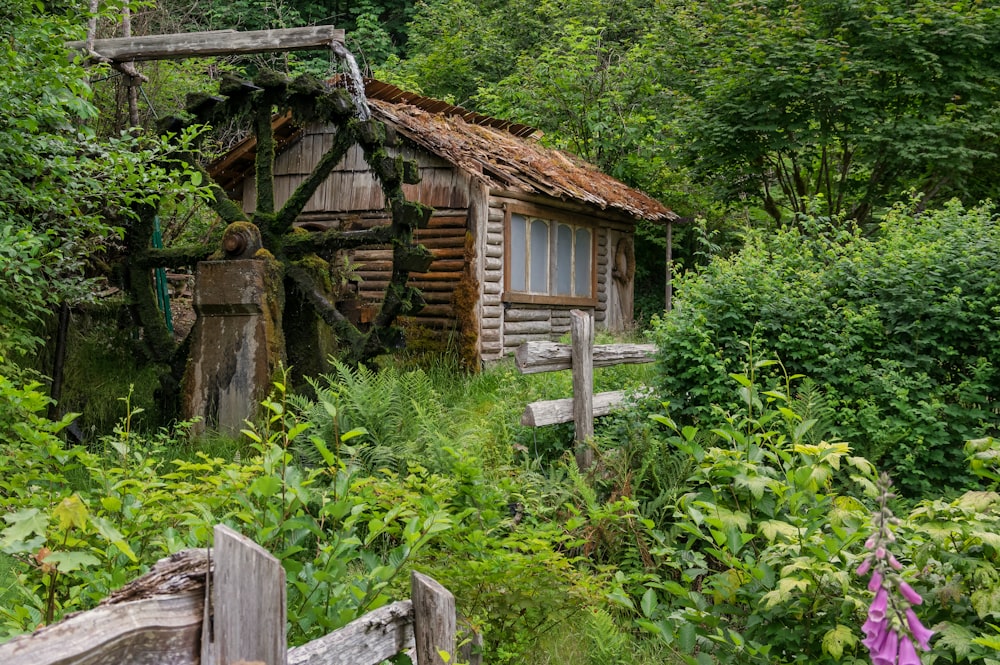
(521, 233)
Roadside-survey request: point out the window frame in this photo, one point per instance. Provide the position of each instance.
(553, 217)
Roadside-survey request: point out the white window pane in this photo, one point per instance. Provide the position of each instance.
(518, 253)
(564, 260)
(583, 258)
(538, 275)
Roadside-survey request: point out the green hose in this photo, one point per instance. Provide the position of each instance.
(160, 280)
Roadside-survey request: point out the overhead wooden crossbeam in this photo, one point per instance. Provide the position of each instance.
(201, 44)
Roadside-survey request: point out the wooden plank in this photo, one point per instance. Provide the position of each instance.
(450, 241)
(437, 310)
(536, 357)
(156, 619)
(582, 331)
(438, 323)
(434, 624)
(511, 342)
(219, 42)
(375, 637)
(446, 266)
(471, 649)
(555, 411)
(247, 613)
(155, 631)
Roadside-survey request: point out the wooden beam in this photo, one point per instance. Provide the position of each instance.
(153, 620)
(555, 411)
(219, 42)
(375, 637)
(434, 623)
(537, 357)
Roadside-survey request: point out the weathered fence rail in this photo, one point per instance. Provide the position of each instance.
(581, 356)
(226, 606)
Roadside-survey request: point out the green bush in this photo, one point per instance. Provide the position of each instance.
(756, 561)
(901, 331)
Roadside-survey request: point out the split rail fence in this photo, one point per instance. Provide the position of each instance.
(226, 606)
(581, 356)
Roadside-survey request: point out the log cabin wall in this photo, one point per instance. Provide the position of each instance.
(507, 325)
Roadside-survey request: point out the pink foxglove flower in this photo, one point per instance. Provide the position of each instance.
(892, 630)
(920, 634)
(907, 653)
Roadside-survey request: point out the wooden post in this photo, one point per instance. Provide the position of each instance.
(434, 626)
(582, 334)
(670, 267)
(245, 618)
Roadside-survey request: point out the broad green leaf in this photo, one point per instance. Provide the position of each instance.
(68, 562)
(265, 486)
(113, 536)
(649, 603)
(836, 639)
(23, 523)
(71, 513)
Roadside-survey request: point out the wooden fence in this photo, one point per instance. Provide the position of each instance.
(581, 356)
(226, 606)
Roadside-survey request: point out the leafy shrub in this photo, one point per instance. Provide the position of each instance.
(899, 330)
(755, 563)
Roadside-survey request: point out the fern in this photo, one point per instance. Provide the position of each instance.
(661, 475)
(400, 411)
(810, 403)
(609, 645)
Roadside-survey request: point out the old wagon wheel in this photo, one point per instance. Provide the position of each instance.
(308, 100)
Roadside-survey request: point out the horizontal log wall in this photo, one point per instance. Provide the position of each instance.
(491, 286)
(445, 238)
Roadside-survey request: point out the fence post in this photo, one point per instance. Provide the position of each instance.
(433, 620)
(582, 334)
(245, 612)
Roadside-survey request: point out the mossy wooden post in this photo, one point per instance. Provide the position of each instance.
(582, 333)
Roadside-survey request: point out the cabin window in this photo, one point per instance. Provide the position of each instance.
(549, 260)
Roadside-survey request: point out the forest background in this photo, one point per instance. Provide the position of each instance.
(838, 310)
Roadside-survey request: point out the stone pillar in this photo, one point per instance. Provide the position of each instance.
(237, 343)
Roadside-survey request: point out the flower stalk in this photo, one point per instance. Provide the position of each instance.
(893, 631)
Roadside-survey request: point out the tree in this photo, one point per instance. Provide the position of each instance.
(64, 193)
(848, 104)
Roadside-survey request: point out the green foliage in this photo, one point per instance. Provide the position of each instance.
(756, 562)
(897, 330)
(844, 104)
(64, 195)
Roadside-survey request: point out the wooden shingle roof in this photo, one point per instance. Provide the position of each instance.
(502, 154)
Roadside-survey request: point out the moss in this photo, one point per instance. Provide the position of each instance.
(265, 168)
(464, 300)
(271, 80)
(264, 254)
(423, 341)
(103, 366)
(274, 306)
